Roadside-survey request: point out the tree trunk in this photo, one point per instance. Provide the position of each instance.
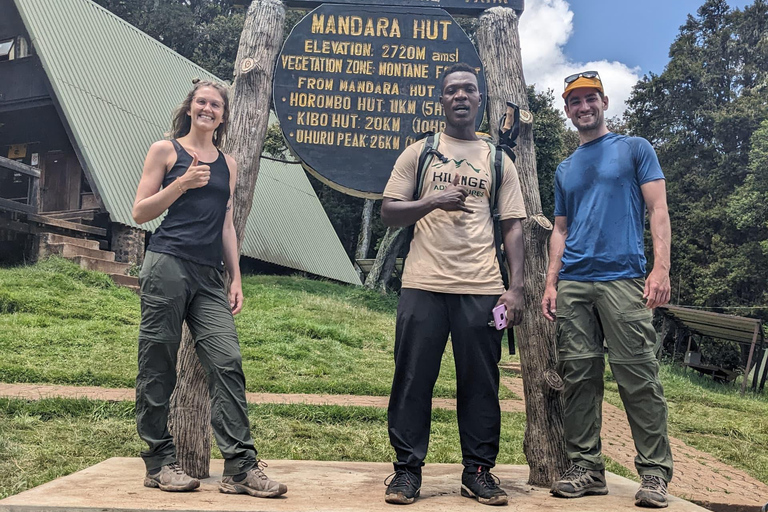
(190, 418)
(498, 43)
(381, 272)
(251, 95)
(249, 117)
(364, 238)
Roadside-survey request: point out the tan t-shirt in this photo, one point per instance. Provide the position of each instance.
(454, 252)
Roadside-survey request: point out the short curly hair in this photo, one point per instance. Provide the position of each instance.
(456, 68)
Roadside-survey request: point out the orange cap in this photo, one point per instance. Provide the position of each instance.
(583, 81)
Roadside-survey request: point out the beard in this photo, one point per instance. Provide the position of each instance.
(597, 121)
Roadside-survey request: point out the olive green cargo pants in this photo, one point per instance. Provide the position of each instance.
(587, 314)
(174, 290)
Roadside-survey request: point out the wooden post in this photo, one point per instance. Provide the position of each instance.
(364, 238)
(34, 193)
(249, 116)
(758, 363)
(749, 359)
(765, 370)
(498, 43)
(381, 271)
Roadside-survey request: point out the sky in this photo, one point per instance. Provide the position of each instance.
(622, 40)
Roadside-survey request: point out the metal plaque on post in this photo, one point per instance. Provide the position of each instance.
(355, 85)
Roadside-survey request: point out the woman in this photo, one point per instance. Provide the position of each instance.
(182, 280)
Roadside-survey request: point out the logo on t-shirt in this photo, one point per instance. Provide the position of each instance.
(442, 176)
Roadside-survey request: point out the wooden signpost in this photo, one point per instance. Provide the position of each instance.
(354, 86)
(459, 7)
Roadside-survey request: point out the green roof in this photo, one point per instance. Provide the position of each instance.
(117, 88)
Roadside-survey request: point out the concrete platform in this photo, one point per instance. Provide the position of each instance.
(115, 485)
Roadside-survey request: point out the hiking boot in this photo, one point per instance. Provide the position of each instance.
(484, 486)
(652, 492)
(579, 481)
(171, 478)
(255, 483)
(403, 487)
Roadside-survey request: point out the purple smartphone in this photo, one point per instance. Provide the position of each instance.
(500, 317)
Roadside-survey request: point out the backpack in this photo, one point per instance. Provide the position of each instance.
(497, 155)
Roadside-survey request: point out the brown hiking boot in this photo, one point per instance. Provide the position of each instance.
(652, 492)
(579, 481)
(255, 483)
(171, 478)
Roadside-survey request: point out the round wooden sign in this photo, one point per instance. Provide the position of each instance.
(354, 86)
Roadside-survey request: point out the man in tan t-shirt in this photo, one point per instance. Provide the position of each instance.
(451, 283)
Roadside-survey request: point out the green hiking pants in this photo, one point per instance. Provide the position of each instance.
(174, 290)
(587, 314)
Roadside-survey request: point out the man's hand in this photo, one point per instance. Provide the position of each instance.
(657, 288)
(452, 198)
(549, 303)
(514, 302)
(196, 176)
(236, 297)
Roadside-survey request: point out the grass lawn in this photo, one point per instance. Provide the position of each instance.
(42, 440)
(60, 324)
(713, 418)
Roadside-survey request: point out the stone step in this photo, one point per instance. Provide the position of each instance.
(127, 281)
(108, 267)
(51, 238)
(70, 251)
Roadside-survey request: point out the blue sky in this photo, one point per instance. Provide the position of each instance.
(621, 39)
(637, 33)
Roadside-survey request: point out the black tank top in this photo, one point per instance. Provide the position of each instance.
(192, 228)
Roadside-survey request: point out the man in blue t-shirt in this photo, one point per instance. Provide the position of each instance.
(597, 291)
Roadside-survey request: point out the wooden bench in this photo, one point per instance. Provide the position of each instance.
(718, 373)
(366, 265)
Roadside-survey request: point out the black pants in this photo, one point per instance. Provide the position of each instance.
(424, 320)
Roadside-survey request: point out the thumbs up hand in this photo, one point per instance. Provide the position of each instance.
(197, 175)
(452, 198)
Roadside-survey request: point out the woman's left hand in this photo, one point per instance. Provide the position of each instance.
(236, 297)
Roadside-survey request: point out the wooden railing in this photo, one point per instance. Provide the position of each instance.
(32, 203)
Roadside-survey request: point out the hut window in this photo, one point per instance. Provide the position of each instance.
(6, 49)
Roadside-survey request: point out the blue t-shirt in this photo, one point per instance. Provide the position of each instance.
(597, 190)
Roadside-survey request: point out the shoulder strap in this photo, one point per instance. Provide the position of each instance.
(498, 165)
(425, 159)
(497, 176)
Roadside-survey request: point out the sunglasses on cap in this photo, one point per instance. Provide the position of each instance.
(586, 74)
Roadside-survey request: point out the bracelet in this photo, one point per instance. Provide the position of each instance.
(178, 184)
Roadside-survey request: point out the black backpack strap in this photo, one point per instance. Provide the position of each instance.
(508, 137)
(428, 152)
(498, 176)
(425, 159)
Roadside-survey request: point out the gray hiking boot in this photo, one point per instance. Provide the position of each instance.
(578, 482)
(255, 483)
(652, 492)
(171, 478)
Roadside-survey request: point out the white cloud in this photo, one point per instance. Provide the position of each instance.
(545, 27)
